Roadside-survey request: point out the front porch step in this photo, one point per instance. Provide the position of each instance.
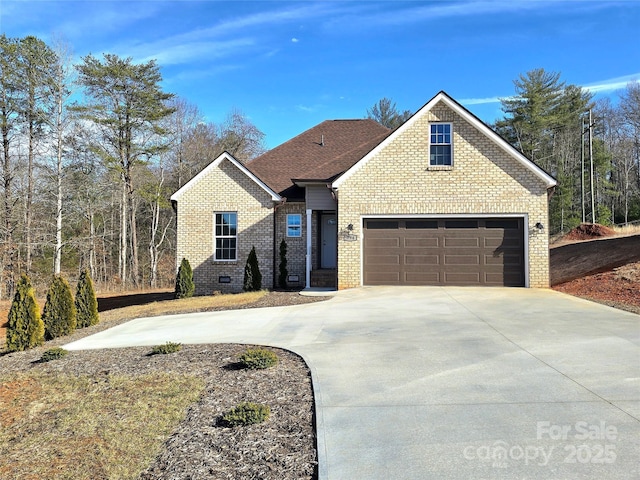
(324, 278)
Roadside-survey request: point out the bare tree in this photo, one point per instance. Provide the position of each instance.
(386, 113)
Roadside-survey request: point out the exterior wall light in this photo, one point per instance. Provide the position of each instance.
(539, 226)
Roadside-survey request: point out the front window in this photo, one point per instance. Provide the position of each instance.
(294, 225)
(226, 236)
(440, 145)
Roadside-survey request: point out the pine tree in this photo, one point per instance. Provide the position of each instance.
(252, 275)
(86, 302)
(25, 329)
(282, 278)
(59, 315)
(184, 280)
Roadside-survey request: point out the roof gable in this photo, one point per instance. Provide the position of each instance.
(205, 171)
(320, 153)
(466, 115)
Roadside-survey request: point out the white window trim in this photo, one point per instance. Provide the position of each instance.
(441, 167)
(215, 238)
(299, 225)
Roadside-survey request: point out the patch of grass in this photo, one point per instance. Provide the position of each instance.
(169, 347)
(258, 359)
(104, 426)
(246, 413)
(53, 354)
(183, 305)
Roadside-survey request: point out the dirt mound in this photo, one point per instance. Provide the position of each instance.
(588, 231)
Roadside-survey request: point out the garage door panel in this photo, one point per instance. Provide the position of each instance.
(383, 259)
(421, 278)
(382, 242)
(462, 278)
(421, 242)
(460, 242)
(444, 252)
(503, 243)
(421, 260)
(380, 278)
(462, 260)
(506, 260)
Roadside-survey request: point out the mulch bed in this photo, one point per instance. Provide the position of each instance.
(619, 288)
(282, 448)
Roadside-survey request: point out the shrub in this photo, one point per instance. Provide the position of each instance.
(258, 359)
(53, 354)
(246, 413)
(282, 278)
(252, 275)
(25, 328)
(59, 315)
(169, 347)
(86, 302)
(184, 280)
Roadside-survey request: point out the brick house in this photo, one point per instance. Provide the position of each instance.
(441, 200)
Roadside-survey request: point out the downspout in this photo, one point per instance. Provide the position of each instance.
(275, 238)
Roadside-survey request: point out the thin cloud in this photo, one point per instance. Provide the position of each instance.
(480, 101)
(435, 11)
(224, 39)
(612, 84)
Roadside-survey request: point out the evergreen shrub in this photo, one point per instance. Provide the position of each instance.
(246, 413)
(282, 277)
(258, 359)
(252, 275)
(185, 287)
(59, 315)
(25, 328)
(53, 354)
(86, 302)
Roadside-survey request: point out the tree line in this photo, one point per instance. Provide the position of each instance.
(92, 151)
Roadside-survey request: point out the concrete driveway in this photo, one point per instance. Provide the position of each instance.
(430, 382)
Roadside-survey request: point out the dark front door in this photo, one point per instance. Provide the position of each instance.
(328, 241)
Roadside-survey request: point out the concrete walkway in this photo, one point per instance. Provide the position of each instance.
(429, 382)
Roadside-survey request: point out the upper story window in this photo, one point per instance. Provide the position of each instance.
(294, 225)
(226, 236)
(440, 147)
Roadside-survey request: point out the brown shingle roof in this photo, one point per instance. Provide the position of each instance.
(321, 153)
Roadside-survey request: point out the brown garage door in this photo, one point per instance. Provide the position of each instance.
(485, 251)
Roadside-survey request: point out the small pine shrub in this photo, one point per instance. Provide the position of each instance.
(258, 359)
(185, 287)
(252, 275)
(25, 328)
(59, 315)
(282, 277)
(53, 354)
(169, 347)
(86, 302)
(246, 413)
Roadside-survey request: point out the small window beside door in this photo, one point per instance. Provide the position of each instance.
(294, 225)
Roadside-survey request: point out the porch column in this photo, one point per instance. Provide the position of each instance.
(308, 258)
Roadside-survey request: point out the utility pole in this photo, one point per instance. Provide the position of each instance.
(584, 219)
(593, 201)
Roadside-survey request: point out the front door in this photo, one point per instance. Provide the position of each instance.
(329, 238)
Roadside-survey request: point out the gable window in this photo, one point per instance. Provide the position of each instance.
(294, 225)
(440, 153)
(226, 236)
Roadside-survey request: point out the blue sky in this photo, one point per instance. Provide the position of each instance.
(291, 65)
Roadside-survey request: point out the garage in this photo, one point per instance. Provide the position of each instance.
(444, 251)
